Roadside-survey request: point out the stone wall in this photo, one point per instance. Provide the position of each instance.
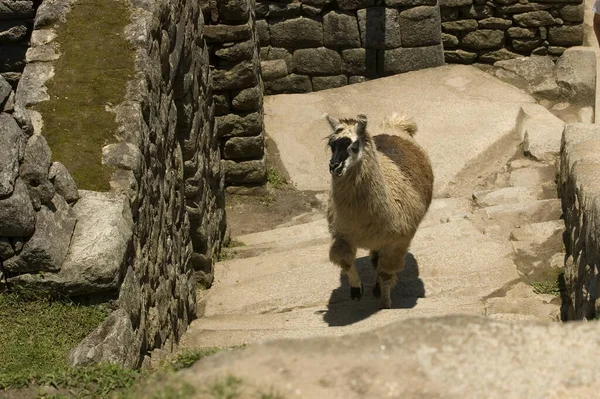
(16, 24)
(238, 89)
(312, 45)
(490, 31)
(579, 188)
(147, 241)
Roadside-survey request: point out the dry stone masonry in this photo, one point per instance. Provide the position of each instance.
(490, 31)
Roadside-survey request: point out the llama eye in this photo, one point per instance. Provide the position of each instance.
(354, 147)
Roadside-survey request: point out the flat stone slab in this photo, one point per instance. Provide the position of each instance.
(461, 112)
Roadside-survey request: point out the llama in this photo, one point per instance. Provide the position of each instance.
(381, 188)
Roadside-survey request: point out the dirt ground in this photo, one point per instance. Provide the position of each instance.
(277, 204)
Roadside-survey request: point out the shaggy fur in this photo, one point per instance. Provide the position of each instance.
(381, 189)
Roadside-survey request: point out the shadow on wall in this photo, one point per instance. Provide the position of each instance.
(342, 311)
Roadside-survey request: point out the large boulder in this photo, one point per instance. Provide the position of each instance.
(576, 75)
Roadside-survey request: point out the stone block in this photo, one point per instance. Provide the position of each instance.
(379, 28)
(495, 23)
(226, 33)
(359, 61)
(420, 26)
(240, 76)
(236, 52)
(13, 31)
(455, 3)
(459, 56)
(297, 33)
(222, 103)
(236, 125)
(284, 10)
(355, 4)
(247, 99)
(290, 84)
(572, 13)
(329, 82)
(317, 61)
(357, 79)
(11, 138)
(273, 69)
(16, 9)
(521, 33)
(410, 59)
(409, 3)
(245, 172)
(525, 46)
(63, 182)
(566, 35)
(484, 39)
(576, 75)
(277, 53)
(244, 147)
(535, 18)
(497, 55)
(17, 216)
(340, 30)
(465, 25)
(449, 41)
(262, 29)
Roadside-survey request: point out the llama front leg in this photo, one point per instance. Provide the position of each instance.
(390, 262)
(343, 254)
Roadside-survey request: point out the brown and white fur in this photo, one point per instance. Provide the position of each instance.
(381, 188)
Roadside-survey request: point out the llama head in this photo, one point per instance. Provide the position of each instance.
(347, 142)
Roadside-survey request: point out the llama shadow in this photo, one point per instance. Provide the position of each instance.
(342, 311)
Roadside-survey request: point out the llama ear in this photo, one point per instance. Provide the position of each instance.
(361, 125)
(332, 121)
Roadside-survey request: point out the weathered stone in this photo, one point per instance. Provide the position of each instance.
(525, 46)
(420, 26)
(51, 12)
(449, 41)
(459, 56)
(12, 31)
(525, 7)
(556, 50)
(234, 10)
(10, 141)
(5, 90)
(47, 249)
(17, 217)
(465, 25)
(290, 84)
(244, 147)
(262, 29)
(222, 105)
(34, 171)
(521, 33)
(236, 52)
(9, 103)
(572, 13)
(248, 99)
(359, 61)
(357, 79)
(567, 35)
(355, 4)
(311, 11)
(236, 125)
(124, 156)
(328, 82)
(534, 70)
(16, 9)
(498, 55)
(297, 33)
(276, 53)
(63, 182)
(273, 69)
(245, 172)
(379, 28)
(484, 39)
(455, 3)
(240, 76)
(317, 61)
(410, 59)
(114, 341)
(576, 75)
(409, 3)
(340, 30)
(541, 132)
(285, 10)
(548, 89)
(495, 23)
(6, 249)
(226, 33)
(535, 18)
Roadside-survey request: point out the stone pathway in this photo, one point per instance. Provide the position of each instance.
(492, 234)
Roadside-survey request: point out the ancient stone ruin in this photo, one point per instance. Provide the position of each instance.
(191, 126)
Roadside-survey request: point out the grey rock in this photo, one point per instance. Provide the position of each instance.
(522, 7)
(317, 61)
(226, 33)
(355, 4)
(51, 12)
(465, 25)
(525, 46)
(12, 31)
(236, 125)
(9, 104)
(420, 26)
(289, 10)
(521, 33)
(535, 18)
(236, 52)
(244, 147)
(234, 10)
(297, 33)
(124, 156)
(17, 217)
(329, 82)
(6, 249)
(222, 103)
(556, 50)
(273, 69)
(130, 296)
(63, 182)
(379, 28)
(460, 56)
(576, 75)
(311, 11)
(410, 59)
(359, 61)
(5, 90)
(34, 171)
(10, 142)
(495, 23)
(572, 13)
(567, 35)
(114, 341)
(484, 39)
(240, 76)
(276, 53)
(245, 172)
(16, 9)
(262, 28)
(290, 84)
(449, 41)
(498, 55)
(340, 30)
(410, 3)
(47, 249)
(455, 3)
(248, 99)
(547, 89)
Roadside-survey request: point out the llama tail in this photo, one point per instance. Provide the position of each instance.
(401, 124)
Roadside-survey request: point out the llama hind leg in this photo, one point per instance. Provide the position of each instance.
(343, 253)
(374, 255)
(391, 261)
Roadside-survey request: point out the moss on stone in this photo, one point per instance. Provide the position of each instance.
(90, 76)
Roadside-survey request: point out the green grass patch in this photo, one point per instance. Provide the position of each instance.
(226, 388)
(91, 74)
(550, 284)
(187, 358)
(275, 179)
(36, 336)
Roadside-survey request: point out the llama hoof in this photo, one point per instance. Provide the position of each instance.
(377, 291)
(356, 292)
